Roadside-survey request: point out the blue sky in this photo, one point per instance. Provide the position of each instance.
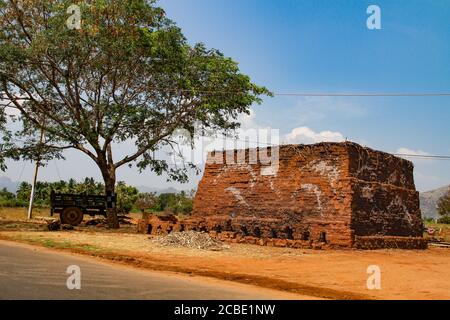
(325, 46)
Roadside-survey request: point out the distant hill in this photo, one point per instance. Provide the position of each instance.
(145, 189)
(429, 201)
(7, 183)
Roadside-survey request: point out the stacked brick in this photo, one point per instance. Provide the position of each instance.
(322, 195)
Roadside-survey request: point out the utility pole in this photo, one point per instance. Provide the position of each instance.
(33, 185)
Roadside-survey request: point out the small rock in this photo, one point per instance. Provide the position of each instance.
(67, 227)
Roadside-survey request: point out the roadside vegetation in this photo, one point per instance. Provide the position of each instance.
(129, 199)
(444, 209)
(439, 229)
(123, 72)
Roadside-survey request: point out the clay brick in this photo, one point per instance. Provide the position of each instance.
(280, 243)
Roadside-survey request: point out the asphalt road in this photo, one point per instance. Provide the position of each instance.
(28, 272)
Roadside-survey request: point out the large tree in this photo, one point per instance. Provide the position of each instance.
(128, 74)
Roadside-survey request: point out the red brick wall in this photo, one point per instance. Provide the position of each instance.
(385, 201)
(308, 193)
(341, 189)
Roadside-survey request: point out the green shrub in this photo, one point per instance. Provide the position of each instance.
(126, 198)
(176, 203)
(12, 203)
(427, 220)
(9, 200)
(146, 201)
(444, 220)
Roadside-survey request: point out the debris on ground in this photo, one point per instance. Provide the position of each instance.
(103, 222)
(124, 219)
(44, 219)
(191, 239)
(67, 227)
(54, 225)
(94, 222)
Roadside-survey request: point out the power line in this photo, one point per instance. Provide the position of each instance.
(436, 157)
(313, 94)
(412, 155)
(365, 94)
(268, 144)
(309, 94)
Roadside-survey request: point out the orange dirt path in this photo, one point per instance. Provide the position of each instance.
(323, 274)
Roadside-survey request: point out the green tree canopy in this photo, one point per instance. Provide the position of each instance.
(127, 74)
(146, 201)
(126, 195)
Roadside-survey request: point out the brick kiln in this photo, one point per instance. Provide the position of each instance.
(321, 195)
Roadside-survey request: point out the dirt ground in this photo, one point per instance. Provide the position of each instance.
(333, 274)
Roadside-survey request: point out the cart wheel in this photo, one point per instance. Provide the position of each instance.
(72, 216)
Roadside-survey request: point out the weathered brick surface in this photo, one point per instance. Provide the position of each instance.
(320, 195)
(299, 201)
(385, 210)
(159, 225)
(376, 242)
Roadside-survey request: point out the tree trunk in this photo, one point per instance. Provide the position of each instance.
(109, 177)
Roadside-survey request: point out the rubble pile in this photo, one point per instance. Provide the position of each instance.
(191, 239)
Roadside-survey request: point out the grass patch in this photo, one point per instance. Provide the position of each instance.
(438, 225)
(55, 244)
(10, 226)
(442, 230)
(22, 213)
(49, 243)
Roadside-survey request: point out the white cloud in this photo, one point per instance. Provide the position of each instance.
(10, 111)
(306, 135)
(301, 135)
(411, 151)
(248, 121)
(404, 152)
